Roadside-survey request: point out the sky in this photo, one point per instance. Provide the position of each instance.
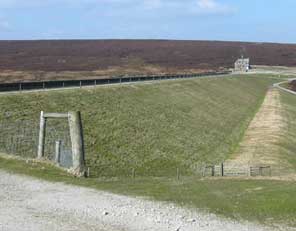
(228, 20)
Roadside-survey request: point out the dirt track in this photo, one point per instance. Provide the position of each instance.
(259, 145)
(28, 204)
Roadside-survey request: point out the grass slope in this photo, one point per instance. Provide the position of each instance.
(288, 141)
(224, 114)
(153, 128)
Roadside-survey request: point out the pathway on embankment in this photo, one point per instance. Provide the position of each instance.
(260, 142)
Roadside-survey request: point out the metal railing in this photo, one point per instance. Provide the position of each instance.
(29, 86)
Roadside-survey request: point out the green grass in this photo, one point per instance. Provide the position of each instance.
(157, 128)
(264, 201)
(152, 128)
(288, 141)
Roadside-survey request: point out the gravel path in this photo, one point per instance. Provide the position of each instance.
(28, 204)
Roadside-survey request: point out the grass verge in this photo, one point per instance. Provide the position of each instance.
(265, 201)
(288, 141)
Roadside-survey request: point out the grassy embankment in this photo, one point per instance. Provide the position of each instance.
(152, 128)
(288, 141)
(161, 127)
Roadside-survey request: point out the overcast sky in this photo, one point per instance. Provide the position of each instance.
(235, 20)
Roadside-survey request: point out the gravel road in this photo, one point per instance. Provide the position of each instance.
(28, 204)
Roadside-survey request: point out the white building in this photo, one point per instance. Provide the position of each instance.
(242, 65)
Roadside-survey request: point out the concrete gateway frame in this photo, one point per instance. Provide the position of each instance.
(76, 136)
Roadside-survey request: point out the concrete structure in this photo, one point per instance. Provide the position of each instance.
(76, 135)
(242, 65)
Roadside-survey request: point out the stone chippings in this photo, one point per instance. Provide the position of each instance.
(28, 204)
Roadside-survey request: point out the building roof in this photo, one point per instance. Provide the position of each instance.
(243, 60)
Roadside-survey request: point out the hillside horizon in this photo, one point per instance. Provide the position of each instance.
(127, 55)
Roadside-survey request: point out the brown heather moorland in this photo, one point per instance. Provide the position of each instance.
(73, 59)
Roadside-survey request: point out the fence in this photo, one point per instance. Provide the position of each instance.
(20, 138)
(27, 86)
(236, 171)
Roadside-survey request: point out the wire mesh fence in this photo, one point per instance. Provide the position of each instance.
(20, 138)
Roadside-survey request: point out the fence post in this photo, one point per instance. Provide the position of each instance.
(76, 135)
(260, 171)
(134, 173)
(178, 174)
(203, 171)
(222, 169)
(58, 152)
(88, 172)
(41, 136)
(213, 170)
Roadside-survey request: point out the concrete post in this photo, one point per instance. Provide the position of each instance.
(76, 135)
(58, 151)
(41, 136)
